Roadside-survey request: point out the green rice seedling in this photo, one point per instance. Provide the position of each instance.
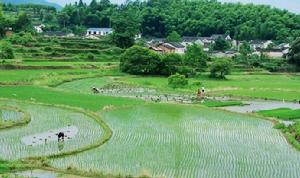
(188, 141)
(48, 119)
(12, 116)
(281, 113)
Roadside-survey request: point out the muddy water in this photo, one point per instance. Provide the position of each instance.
(37, 173)
(253, 106)
(50, 136)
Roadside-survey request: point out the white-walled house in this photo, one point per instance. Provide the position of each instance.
(172, 47)
(138, 36)
(258, 44)
(39, 28)
(98, 31)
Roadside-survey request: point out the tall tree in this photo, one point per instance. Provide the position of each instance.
(23, 23)
(294, 53)
(173, 37)
(195, 57)
(125, 27)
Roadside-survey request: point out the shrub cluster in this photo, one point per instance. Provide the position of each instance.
(177, 81)
(6, 51)
(142, 61)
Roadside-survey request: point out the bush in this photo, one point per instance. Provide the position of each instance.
(48, 48)
(6, 51)
(220, 68)
(91, 57)
(177, 81)
(139, 60)
(195, 57)
(170, 64)
(186, 71)
(279, 126)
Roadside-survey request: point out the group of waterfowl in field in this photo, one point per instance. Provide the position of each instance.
(149, 94)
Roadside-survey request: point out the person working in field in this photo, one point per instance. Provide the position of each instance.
(61, 136)
(200, 93)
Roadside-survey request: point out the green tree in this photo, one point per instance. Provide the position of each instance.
(294, 53)
(220, 68)
(6, 51)
(23, 23)
(63, 19)
(173, 37)
(139, 60)
(125, 27)
(171, 63)
(195, 57)
(2, 24)
(221, 44)
(177, 81)
(245, 49)
(92, 20)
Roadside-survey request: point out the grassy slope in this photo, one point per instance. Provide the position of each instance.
(51, 77)
(282, 113)
(276, 87)
(51, 96)
(12, 148)
(222, 103)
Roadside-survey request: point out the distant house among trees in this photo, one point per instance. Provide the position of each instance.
(8, 31)
(98, 31)
(156, 49)
(257, 45)
(222, 36)
(58, 34)
(39, 28)
(278, 51)
(172, 47)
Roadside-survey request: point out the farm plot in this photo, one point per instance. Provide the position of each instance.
(110, 86)
(9, 115)
(45, 121)
(188, 141)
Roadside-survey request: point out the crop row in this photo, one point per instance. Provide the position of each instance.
(184, 141)
(46, 118)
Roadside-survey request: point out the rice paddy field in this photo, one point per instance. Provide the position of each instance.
(264, 86)
(47, 119)
(164, 140)
(9, 115)
(116, 133)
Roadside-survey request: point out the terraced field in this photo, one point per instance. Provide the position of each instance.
(9, 115)
(47, 120)
(237, 85)
(188, 141)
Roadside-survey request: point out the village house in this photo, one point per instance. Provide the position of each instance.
(156, 49)
(138, 36)
(98, 31)
(227, 54)
(258, 45)
(278, 51)
(206, 42)
(222, 36)
(58, 34)
(8, 31)
(274, 53)
(39, 28)
(172, 47)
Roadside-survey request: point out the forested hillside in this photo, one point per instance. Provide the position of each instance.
(39, 2)
(189, 18)
(158, 18)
